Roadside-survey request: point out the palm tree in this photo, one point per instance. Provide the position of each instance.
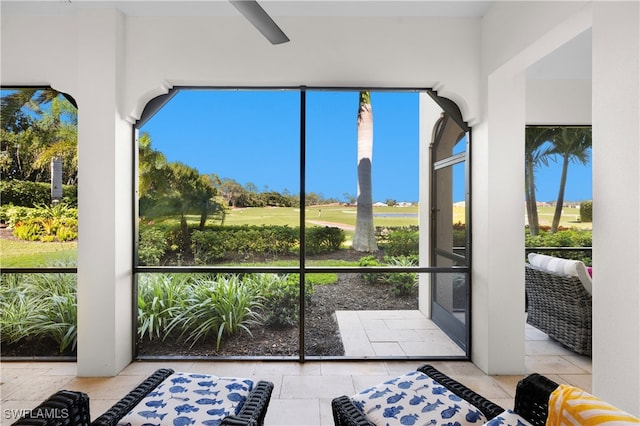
(365, 235)
(62, 122)
(535, 137)
(12, 104)
(571, 144)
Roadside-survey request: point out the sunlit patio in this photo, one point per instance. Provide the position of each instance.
(393, 333)
(303, 391)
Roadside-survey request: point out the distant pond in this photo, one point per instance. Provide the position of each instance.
(395, 214)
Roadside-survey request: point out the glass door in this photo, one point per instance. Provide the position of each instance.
(449, 235)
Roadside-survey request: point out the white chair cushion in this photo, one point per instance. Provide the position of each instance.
(185, 399)
(415, 399)
(562, 266)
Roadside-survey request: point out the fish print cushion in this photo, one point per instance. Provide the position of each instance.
(508, 418)
(415, 399)
(186, 399)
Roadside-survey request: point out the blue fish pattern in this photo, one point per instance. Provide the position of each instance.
(205, 392)
(167, 404)
(177, 389)
(416, 399)
(186, 408)
(156, 404)
(152, 414)
(183, 421)
(208, 401)
(508, 418)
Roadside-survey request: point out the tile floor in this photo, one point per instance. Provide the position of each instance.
(303, 392)
(393, 333)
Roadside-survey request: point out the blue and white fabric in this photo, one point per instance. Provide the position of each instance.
(508, 418)
(187, 399)
(416, 399)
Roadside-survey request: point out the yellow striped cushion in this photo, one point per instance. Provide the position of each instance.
(569, 405)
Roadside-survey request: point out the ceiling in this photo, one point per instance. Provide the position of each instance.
(571, 61)
(455, 8)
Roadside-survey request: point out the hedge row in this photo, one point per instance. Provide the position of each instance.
(219, 243)
(30, 194)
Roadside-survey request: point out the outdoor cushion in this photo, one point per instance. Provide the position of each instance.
(508, 418)
(570, 405)
(415, 399)
(184, 399)
(562, 266)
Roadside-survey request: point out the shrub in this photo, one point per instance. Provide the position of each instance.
(281, 297)
(586, 211)
(19, 309)
(16, 214)
(370, 278)
(44, 222)
(225, 242)
(30, 194)
(60, 317)
(67, 232)
(152, 245)
(220, 306)
(323, 239)
(29, 230)
(160, 299)
(402, 242)
(563, 238)
(39, 305)
(403, 283)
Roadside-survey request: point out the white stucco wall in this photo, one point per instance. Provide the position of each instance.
(616, 228)
(112, 64)
(558, 102)
(325, 51)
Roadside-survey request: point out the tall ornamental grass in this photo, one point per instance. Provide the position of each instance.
(35, 306)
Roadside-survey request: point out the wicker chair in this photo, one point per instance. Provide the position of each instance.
(63, 408)
(252, 412)
(560, 306)
(532, 398)
(73, 407)
(345, 412)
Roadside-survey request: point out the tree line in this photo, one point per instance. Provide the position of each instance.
(38, 125)
(548, 143)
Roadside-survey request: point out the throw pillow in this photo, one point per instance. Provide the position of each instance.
(185, 399)
(570, 405)
(562, 266)
(415, 399)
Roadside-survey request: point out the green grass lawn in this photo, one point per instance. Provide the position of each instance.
(34, 254)
(26, 254)
(570, 218)
(333, 213)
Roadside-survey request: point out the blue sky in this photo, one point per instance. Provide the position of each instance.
(254, 137)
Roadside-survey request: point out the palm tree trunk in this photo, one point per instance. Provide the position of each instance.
(530, 199)
(365, 235)
(560, 201)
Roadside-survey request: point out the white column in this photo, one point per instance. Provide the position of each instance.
(498, 228)
(104, 199)
(616, 206)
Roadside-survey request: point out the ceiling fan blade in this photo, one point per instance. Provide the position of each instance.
(261, 20)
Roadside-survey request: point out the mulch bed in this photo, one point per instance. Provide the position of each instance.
(322, 338)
